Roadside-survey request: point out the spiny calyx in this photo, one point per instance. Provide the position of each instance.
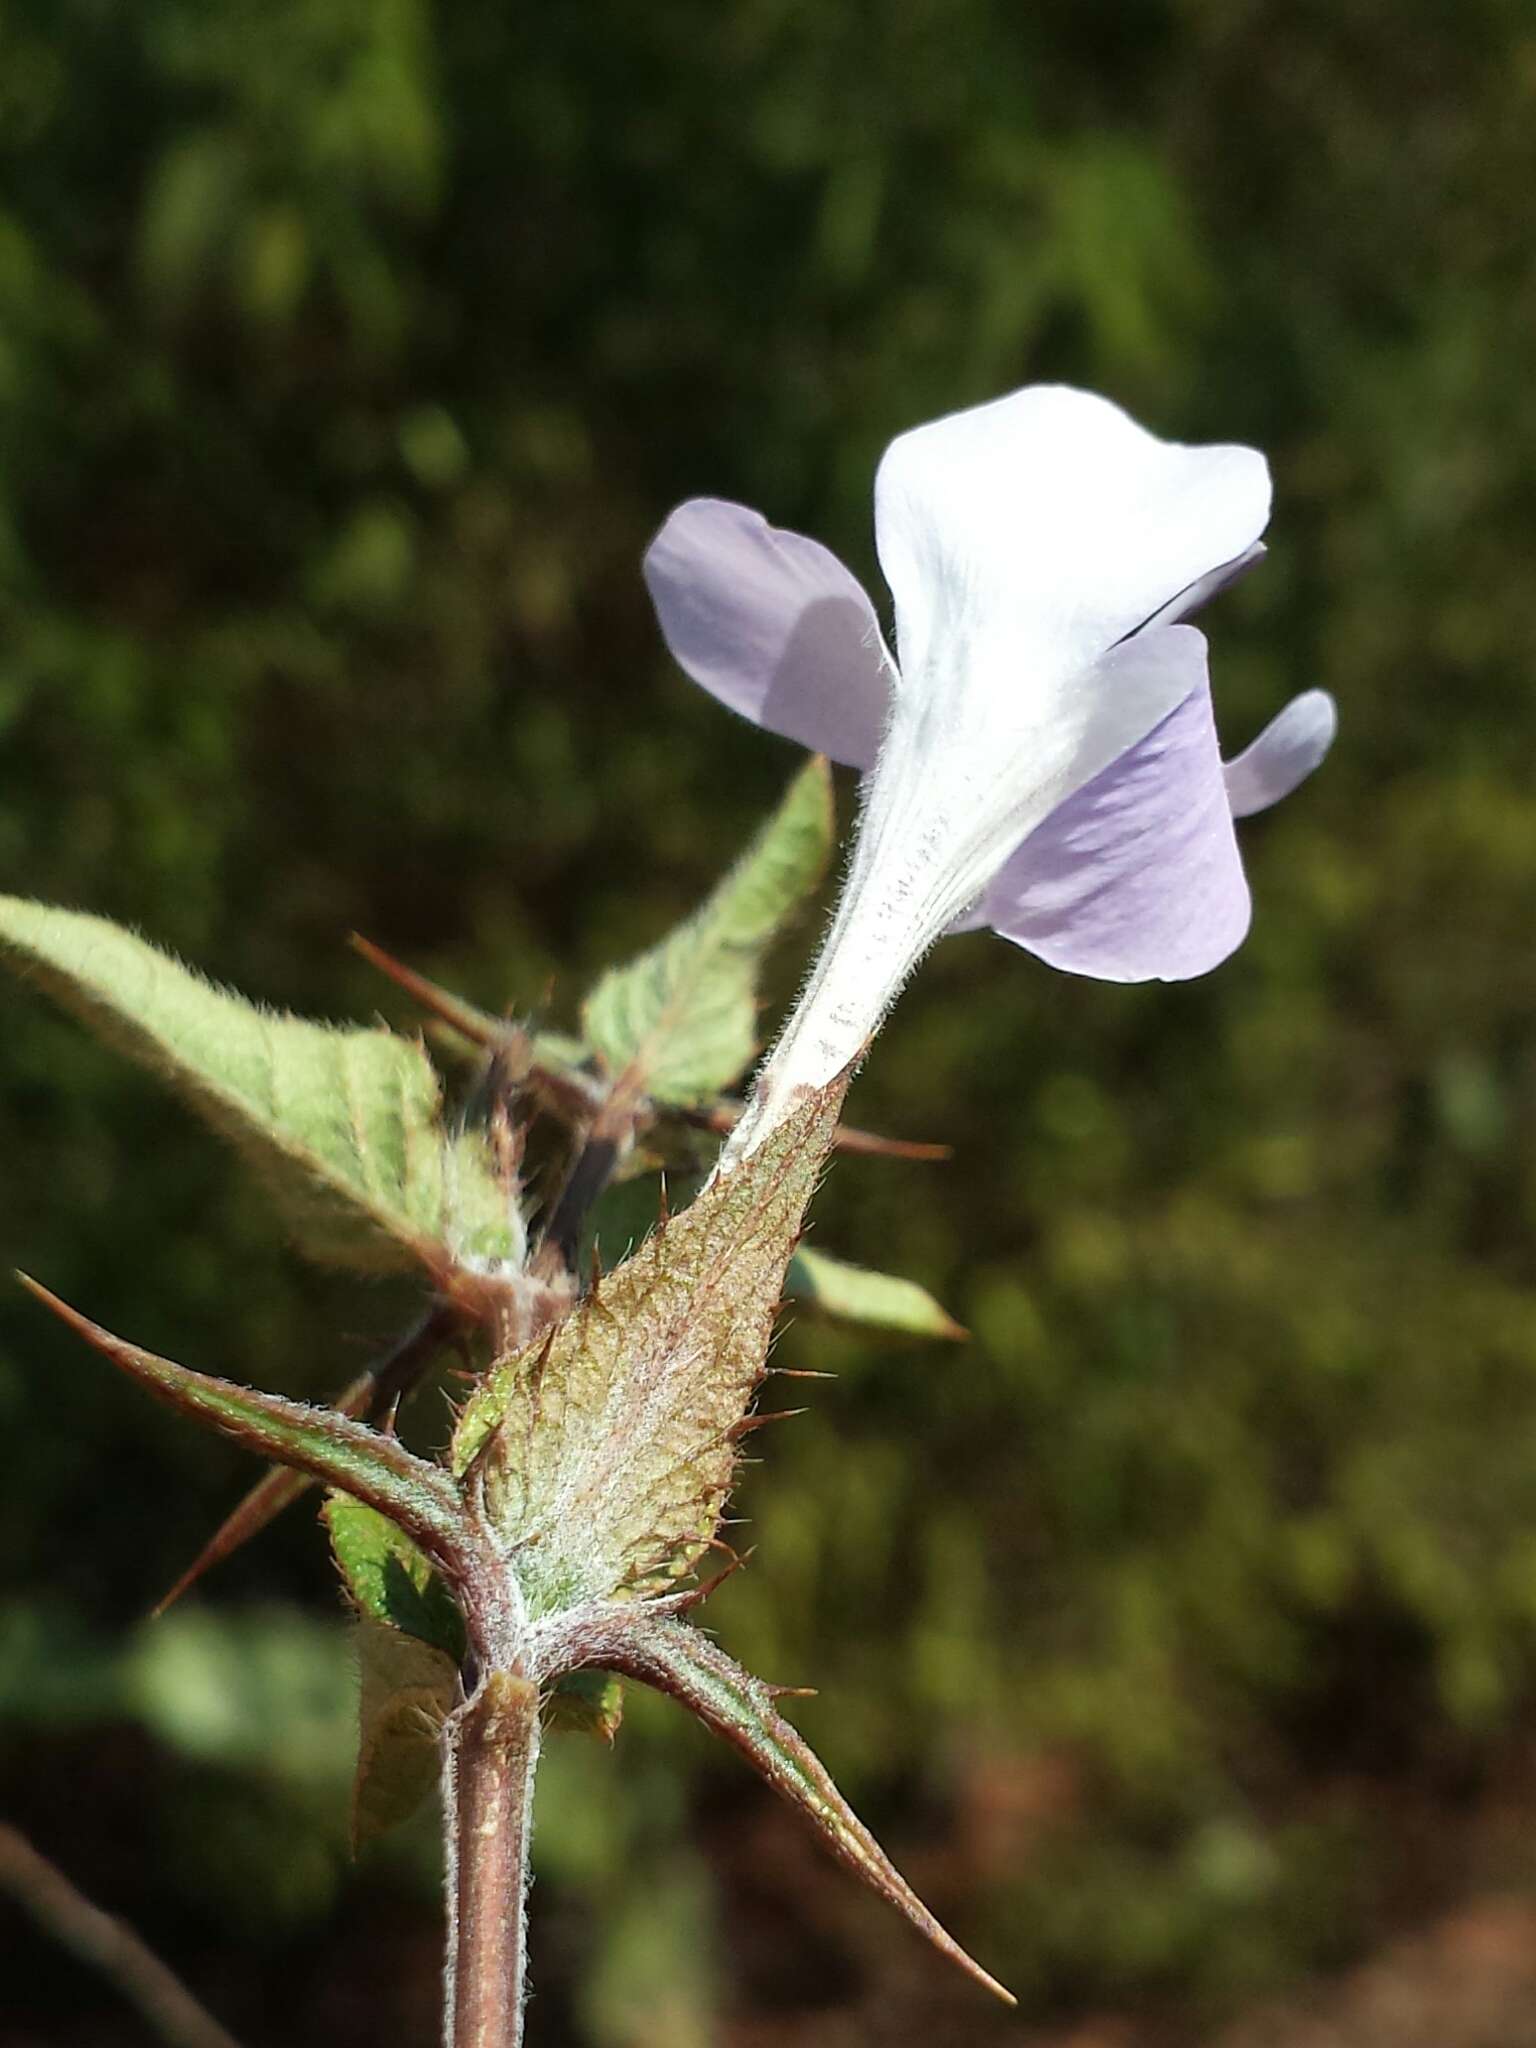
(605, 1451)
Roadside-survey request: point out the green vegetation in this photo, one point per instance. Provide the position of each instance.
(349, 354)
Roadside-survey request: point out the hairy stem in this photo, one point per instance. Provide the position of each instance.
(491, 1747)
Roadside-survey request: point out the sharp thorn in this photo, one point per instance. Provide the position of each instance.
(722, 1117)
(438, 1002)
(749, 1423)
(700, 1593)
(272, 1493)
(472, 1478)
(94, 1335)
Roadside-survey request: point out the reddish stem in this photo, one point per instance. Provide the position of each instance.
(491, 1750)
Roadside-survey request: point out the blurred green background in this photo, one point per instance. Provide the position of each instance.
(1179, 1634)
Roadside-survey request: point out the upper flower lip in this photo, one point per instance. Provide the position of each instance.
(1051, 518)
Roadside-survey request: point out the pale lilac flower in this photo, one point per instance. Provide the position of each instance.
(1044, 760)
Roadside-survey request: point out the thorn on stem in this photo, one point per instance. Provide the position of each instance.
(700, 1593)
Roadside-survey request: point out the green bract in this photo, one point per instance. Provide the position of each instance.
(390, 1580)
(685, 1013)
(608, 1448)
(406, 1690)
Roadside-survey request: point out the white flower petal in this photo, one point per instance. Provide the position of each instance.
(944, 806)
(1284, 754)
(1051, 522)
(773, 625)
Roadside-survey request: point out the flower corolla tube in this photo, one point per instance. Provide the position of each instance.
(1042, 758)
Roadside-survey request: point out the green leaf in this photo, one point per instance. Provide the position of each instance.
(360, 1461)
(872, 1301)
(388, 1577)
(586, 1703)
(345, 1125)
(609, 1446)
(686, 1011)
(406, 1691)
(678, 1660)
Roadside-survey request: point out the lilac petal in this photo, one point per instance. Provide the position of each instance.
(1283, 755)
(1204, 588)
(773, 625)
(1137, 877)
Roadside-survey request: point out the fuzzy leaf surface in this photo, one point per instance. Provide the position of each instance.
(676, 1659)
(868, 1300)
(406, 1690)
(615, 1437)
(390, 1580)
(686, 1011)
(331, 1447)
(343, 1125)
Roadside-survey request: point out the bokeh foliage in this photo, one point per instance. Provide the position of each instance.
(349, 352)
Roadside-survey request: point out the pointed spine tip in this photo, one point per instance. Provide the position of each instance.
(93, 1333)
(750, 1423)
(168, 1599)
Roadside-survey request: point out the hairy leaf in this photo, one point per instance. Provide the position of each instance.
(686, 1011)
(344, 1125)
(390, 1580)
(393, 1374)
(676, 1659)
(406, 1690)
(870, 1300)
(343, 1453)
(609, 1446)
